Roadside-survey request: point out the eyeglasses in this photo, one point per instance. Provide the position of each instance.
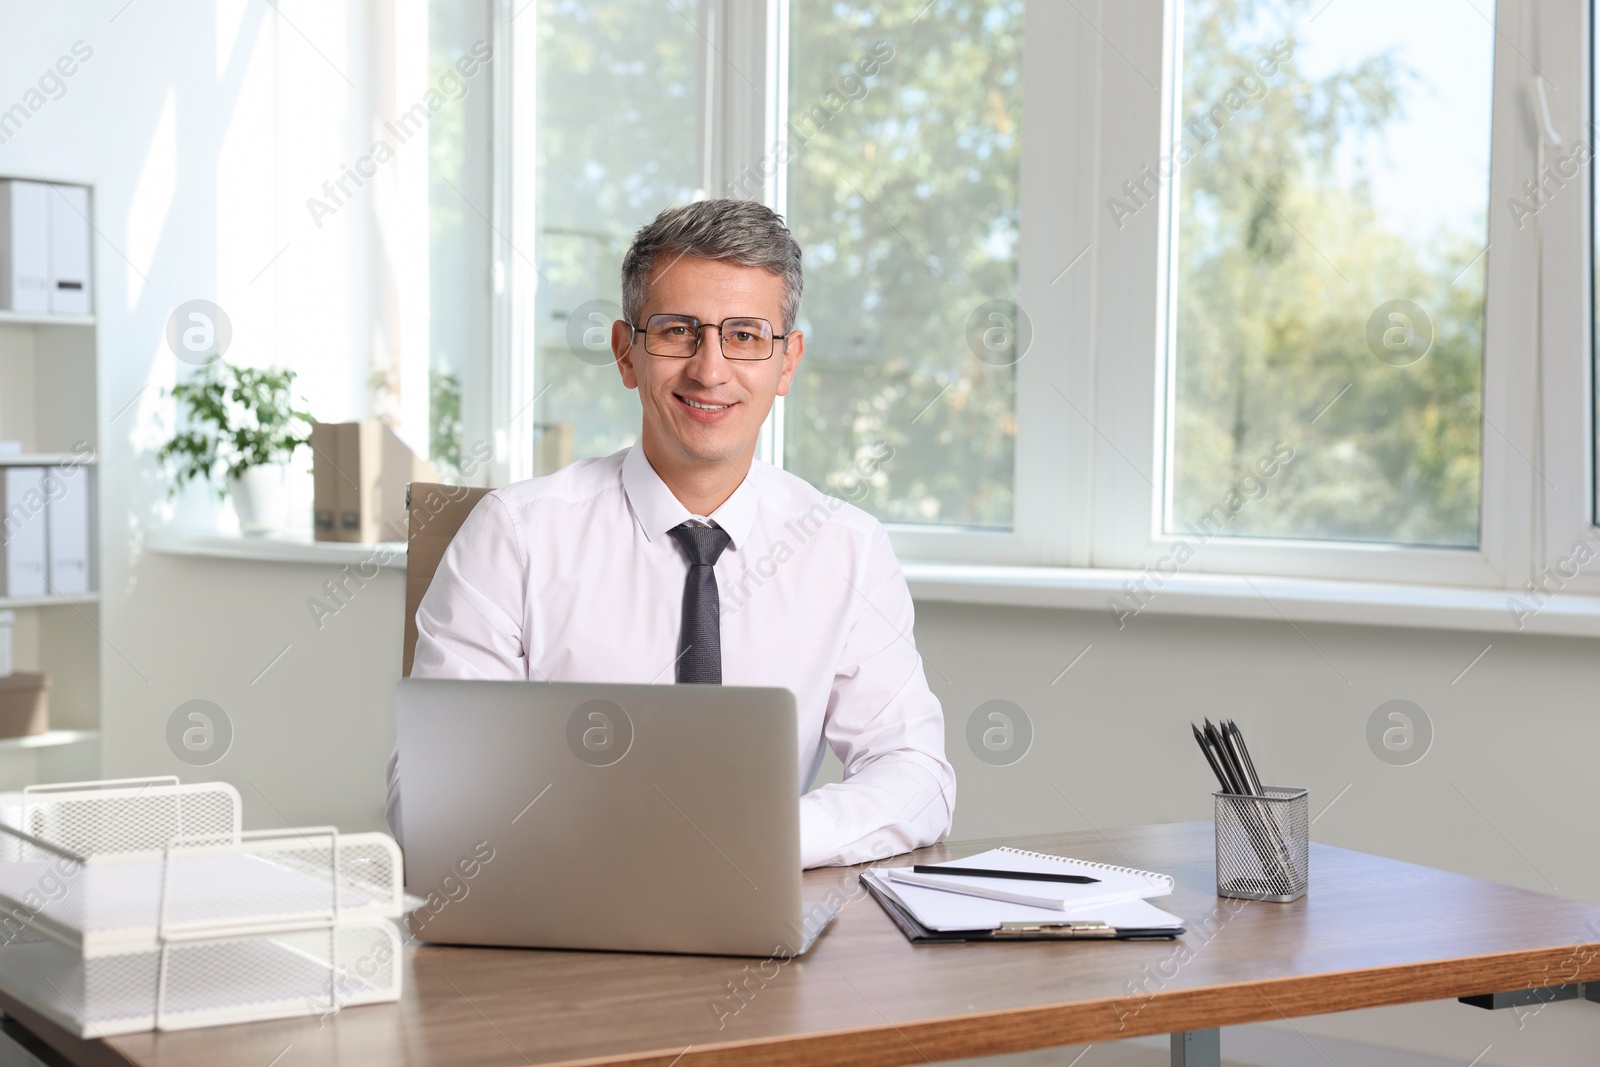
(678, 336)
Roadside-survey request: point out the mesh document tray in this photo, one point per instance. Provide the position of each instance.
(131, 905)
(113, 869)
(205, 982)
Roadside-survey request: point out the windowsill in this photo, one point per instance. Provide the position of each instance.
(1429, 607)
(1426, 607)
(291, 546)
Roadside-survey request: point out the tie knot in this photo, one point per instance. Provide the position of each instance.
(702, 544)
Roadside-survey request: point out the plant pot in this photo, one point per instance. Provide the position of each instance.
(260, 499)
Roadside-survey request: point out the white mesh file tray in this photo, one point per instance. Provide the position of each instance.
(206, 981)
(157, 911)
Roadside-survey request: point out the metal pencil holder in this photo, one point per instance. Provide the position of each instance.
(1263, 844)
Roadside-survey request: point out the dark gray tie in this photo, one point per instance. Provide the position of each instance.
(700, 639)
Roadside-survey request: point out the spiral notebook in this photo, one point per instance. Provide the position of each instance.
(947, 907)
(1110, 883)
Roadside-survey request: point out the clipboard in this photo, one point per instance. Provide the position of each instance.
(1030, 930)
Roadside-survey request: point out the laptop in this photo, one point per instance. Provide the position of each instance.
(577, 815)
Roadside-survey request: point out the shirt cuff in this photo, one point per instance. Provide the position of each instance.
(818, 844)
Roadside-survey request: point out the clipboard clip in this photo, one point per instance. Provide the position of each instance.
(1063, 930)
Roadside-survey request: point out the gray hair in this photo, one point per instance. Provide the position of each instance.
(739, 231)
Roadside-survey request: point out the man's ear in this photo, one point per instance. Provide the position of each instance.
(622, 349)
(795, 348)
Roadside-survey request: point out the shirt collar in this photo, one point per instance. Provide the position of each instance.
(658, 511)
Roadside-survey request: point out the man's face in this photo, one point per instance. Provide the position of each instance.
(740, 390)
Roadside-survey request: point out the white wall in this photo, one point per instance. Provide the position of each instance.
(204, 129)
(312, 733)
(184, 121)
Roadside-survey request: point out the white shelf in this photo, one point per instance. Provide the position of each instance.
(7, 602)
(43, 318)
(284, 548)
(49, 739)
(44, 459)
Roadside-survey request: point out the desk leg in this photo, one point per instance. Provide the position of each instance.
(1521, 998)
(1197, 1048)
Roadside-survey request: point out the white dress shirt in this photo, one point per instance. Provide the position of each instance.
(573, 577)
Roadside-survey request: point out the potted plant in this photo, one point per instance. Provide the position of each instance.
(241, 428)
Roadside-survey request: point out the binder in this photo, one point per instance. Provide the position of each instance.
(23, 546)
(68, 526)
(24, 246)
(927, 914)
(44, 248)
(69, 250)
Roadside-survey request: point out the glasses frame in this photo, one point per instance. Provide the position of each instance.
(699, 336)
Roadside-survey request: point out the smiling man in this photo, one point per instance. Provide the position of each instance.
(609, 570)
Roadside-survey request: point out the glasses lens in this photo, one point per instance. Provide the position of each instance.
(746, 338)
(671, 335)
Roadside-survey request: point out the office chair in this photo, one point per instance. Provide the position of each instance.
(434, 513)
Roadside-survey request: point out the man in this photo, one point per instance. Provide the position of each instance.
(610, 569)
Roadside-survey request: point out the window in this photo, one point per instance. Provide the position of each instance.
(640, 104)
(1268, 272)
(1328, 285)
(459, 192)
(1339, 356)
(617, 138)
(1554, 205)
(904, 124)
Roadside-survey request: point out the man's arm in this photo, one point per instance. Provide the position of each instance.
(886, 727)
(469, 624)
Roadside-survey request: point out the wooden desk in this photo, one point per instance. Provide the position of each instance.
(1372, 931)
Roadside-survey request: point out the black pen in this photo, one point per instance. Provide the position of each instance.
(1235, 785)
(1235, 744)
(1216, 768)
(1249, 764)
(984, 872)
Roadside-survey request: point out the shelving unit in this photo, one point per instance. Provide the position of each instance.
(41, 459)
(48, 739)
(37, 318)
(49, 396)
(14, 602)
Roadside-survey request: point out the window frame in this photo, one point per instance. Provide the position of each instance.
(1092, 393)
(1052, 459)
(1135, 391)
(1567, 397)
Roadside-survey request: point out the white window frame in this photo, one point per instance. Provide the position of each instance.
(1091, 392)
(1567, 363)
(1134, 352)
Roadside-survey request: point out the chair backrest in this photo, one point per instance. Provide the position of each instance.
(433, 515)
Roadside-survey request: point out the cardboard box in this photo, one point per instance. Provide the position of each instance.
(24, 704)
(324, 480)
(554, 449)
(360, 471)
